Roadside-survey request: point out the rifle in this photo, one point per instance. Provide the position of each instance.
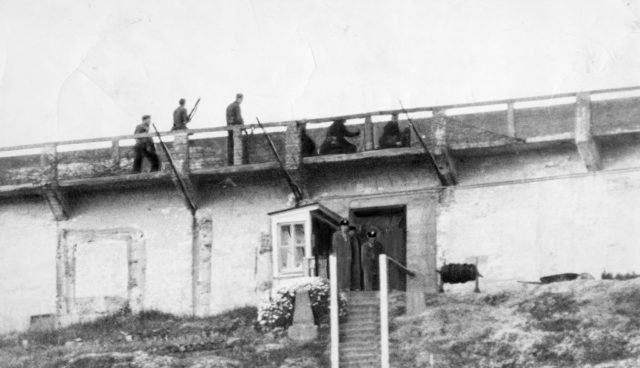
(432, 159)
(193, 110)
(181, 183)
(297, 193)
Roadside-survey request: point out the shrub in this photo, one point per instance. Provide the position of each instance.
(279, 311)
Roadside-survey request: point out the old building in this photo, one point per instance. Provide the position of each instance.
(530, 187)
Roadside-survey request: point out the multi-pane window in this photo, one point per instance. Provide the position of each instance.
(291, 247)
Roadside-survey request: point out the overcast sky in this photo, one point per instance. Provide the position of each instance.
(78, 69)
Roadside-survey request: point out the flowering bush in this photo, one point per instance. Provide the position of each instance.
(279, 311)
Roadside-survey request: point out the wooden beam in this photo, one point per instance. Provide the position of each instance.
(182, 180)
(57, 201)
(511, 120)
(587, 147)
(443, 159)
(368, 136)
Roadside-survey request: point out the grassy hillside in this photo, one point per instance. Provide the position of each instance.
(583, 323)
(158, 340)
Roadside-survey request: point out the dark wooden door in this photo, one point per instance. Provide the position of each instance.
(390, 224)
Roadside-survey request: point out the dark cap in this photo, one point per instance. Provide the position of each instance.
(182, 101)
(344, 222)
(372, 234)
(144, 117)
(239, 95)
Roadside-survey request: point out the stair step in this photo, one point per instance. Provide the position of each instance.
(373, 349)
(364, 307)
(364, 336)
(363, 293)
(360, 325)
(354, 354)
(366, 364)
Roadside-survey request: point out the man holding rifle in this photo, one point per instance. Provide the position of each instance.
(180, 116)
(144, 147)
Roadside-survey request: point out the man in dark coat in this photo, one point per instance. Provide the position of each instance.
(392, 136)
(180, 116)
(144, 147)
(356, 272)
(369, 253)
(234, 117)
(308, 145)
(335, 141)
(341, 248)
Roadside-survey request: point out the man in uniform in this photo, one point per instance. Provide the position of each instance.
(341, 248)
(356, 273)
(370, 251)
(234, 117)
(180, 116)
(144, 147)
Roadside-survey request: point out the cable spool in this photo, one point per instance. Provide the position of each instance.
(458, 273)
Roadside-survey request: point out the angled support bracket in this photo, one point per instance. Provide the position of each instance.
(55, 197)
(445, 164)
(293, 156)
(181, 178)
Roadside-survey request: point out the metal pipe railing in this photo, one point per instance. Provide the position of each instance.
(384, 312)
(335, 333)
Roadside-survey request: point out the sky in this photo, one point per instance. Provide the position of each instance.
(74, 69)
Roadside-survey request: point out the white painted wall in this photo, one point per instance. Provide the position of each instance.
(525, 231)
(166, 224)
(239, 219)
(27, 262)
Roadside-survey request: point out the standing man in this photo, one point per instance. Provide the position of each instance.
(370, 252)
(341, 247)
(234, 117)
(356, 273)
(144, 147)
(180, 116)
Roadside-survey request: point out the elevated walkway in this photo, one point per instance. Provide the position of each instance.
(584, 121)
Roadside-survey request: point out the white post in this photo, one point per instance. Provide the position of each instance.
(335, 333)
(384, 313)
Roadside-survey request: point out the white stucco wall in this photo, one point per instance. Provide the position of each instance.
(521, 228)
(239, 218)
(161, 215)
(27, 262)
(525, 231)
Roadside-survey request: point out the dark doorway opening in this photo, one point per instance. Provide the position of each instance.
(391, 225)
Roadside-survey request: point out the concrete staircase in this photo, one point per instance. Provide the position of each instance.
(360, 333)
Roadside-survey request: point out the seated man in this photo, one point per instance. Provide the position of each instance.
(392, 136)
(336, 142)
(308, 145)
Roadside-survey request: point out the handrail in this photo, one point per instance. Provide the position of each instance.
(323, 119)
(384, 311)
(402, 267)
(333, 310)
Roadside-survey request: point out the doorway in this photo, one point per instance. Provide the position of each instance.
(391, 225)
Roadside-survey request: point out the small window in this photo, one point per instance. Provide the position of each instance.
(291, 247)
